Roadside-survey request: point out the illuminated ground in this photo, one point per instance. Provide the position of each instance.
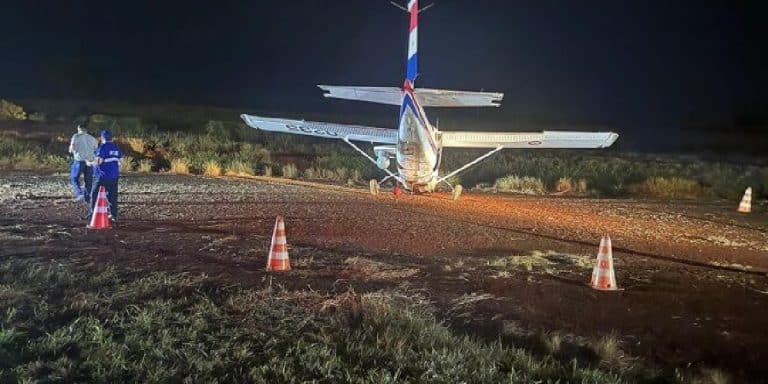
(694, 274)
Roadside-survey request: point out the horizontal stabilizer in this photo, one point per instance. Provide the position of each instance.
(426, 97)
(326, 130)
(545, 139)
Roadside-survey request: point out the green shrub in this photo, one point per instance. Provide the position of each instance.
(180, 166)
(566, 185)
(11, 111)
(239, 168)
(671, 188)
(211, 168)
(127, 164)
(145, 165)
(527, 185)
(135, 143)
(290, 171)
(25, 161)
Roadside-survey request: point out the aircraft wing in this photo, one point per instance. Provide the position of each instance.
(327, 130)
(545, 139)
(427, 97)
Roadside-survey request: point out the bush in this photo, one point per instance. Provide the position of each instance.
(145, 166)
(136, 144)
(569, 186)
(126, 164)
(180, 166)
(239, 168)
(670, 188)
(38, 117)
(527, 185)
(211, 168)
(11, 111)
(290, 171)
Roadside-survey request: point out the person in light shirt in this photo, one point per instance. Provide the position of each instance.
(82, 147)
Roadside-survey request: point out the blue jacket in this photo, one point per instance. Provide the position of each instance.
(109, 169)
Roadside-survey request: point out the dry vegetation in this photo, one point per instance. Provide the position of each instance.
(166, 138)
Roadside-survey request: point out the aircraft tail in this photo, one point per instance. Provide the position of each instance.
(413, 42)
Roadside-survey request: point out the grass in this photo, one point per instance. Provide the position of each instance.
(290, 171)
(145, 166)
(180, 166)
(537, 261)
(527, 185)
(608, 350)
(136, 144)
(239, 168)
(65, 322)
(671, 188)
(127, 164)
(162, 133)
(211, 168)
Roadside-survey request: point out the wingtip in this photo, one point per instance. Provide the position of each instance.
(612, 137)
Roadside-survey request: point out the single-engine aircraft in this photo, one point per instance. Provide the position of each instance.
(417, 145)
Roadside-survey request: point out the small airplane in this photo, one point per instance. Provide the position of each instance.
(417, 145)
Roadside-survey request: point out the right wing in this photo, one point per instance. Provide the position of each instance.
(427, 97)
(326, 130)
(545, 139)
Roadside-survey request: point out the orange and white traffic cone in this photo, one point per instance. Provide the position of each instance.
(603, 276)
(100, 218)
(745, 206)
(278, 254)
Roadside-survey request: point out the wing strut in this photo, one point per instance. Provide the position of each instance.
(471, 163)
(392, 175)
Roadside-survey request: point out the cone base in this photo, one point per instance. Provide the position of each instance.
(606, 289)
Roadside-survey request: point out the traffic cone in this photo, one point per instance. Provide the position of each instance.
(100, 218)
(746, 202)
(278, 254)
(603, 277)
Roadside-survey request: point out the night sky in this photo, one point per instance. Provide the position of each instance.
(645, 69)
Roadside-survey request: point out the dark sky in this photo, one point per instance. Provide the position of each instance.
(641, 68)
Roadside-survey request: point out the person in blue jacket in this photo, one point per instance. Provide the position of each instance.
(106, 172)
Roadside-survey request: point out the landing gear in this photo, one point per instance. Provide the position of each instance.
(456, 192)
(374, 185)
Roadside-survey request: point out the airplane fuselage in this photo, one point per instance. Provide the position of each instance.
(418, 150)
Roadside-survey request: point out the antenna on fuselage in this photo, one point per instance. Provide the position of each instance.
(397, 5)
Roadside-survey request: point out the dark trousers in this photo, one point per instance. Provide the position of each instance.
(80, 168)
(111, 187)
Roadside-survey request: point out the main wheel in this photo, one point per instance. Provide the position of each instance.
(456, 192)
(374, 185)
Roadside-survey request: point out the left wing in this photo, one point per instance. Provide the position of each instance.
(319, 129)
(545, 139)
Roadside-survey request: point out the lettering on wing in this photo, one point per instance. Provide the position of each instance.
(310, 129)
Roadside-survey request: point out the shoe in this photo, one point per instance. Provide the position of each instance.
(79, 198)
(112, 219)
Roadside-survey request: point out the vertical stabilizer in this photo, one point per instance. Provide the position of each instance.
(413, 42)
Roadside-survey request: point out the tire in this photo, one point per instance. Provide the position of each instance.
(374, 187)
(456, 192)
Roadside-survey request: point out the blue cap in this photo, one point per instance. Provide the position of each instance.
(106, 135)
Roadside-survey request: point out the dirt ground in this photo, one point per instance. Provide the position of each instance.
(694, 275)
